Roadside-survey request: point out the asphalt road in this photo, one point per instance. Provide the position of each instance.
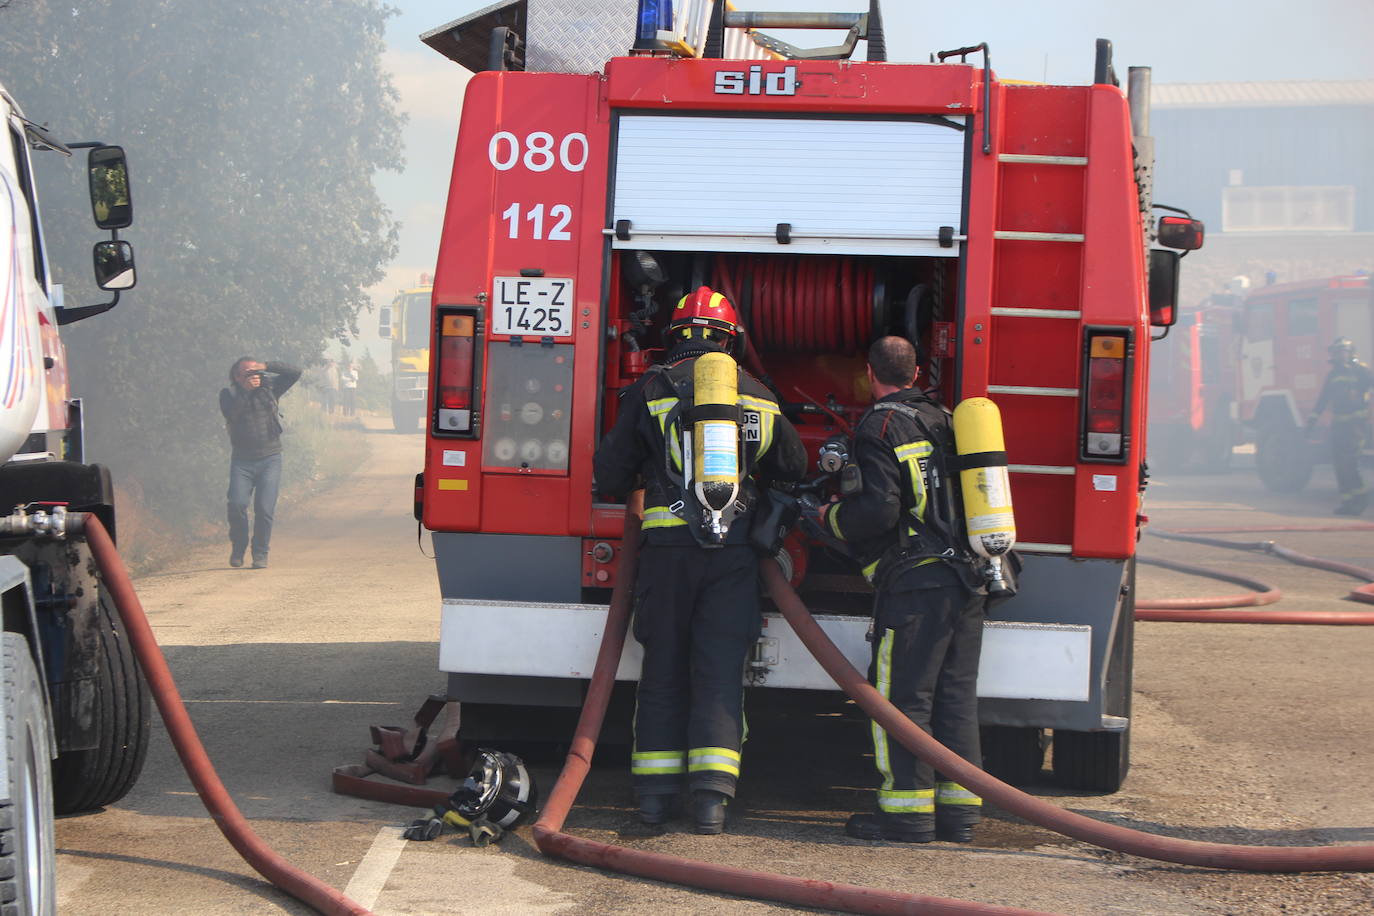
(1243, 734)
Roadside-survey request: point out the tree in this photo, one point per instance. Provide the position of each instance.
(253, 130)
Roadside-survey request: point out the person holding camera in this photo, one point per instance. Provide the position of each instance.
(253, 419)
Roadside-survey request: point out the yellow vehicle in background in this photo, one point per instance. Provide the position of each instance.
(406, 324)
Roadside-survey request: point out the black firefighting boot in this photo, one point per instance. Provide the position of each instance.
(953, 832)
(899, 828)
(708, 811)
(657, 809)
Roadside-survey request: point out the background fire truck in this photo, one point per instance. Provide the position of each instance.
(1283, 333)
(74, 725)
(1246, 367)
(406, 323)
(1003, 225)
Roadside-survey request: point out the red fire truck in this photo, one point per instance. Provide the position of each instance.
(833, 200)
(1284, 331)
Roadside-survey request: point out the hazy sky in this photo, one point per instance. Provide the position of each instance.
(1185, 42)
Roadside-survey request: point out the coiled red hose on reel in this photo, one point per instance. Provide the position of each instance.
(816, 304)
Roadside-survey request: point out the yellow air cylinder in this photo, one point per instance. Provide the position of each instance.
(715, 442)
(986, 486)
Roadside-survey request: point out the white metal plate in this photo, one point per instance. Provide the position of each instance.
(846, 186)
(1039, 661)
(1019, 661)
(537, 306)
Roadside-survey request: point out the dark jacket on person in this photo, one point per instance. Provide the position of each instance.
(891, 492)
(252, 415)
(1346, 391)
(645, 448)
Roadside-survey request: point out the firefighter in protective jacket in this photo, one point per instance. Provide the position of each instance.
(1346, 392)
(898, 513)
(696, 601)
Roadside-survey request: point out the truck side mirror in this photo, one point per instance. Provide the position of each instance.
(109, 177)
(1163, 287)
(1181, 233)
(114, 265)
(384, 322)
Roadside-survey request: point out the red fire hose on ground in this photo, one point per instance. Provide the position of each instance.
(787, 889)
(1220, 610)
(227, 817)
(806, 892)
(552, 841)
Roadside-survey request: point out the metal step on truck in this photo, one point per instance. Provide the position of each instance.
(611, 156)
(75, 724)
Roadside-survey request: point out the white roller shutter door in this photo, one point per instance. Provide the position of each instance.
(845, 186)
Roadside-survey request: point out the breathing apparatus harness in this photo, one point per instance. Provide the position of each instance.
(708, 467)
(943, 519)
(708, 524)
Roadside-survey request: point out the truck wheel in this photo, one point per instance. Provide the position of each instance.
(1014, 754)
(1283, 458)
(1091, 761)
(102, 775)
(26, 831)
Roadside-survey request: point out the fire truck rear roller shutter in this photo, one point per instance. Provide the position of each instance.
(844, 186)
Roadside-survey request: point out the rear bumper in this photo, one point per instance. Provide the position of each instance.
(514, 631)
(1021, 661)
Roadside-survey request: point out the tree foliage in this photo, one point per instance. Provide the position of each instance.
(253, 129)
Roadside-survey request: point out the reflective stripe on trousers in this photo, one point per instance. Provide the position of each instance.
(951, 793)
(657, 763)
(720, 759)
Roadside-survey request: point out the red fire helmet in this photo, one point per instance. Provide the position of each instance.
(706, 308)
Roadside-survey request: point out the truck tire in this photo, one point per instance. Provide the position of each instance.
(27, 854)
(87, 779)
(1283, 458)
(1092, 761)
(1013, 753)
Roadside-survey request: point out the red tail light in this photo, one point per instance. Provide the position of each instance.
(455, 363)
(456, 373)
(1104, 396)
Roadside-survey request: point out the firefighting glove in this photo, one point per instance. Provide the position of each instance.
(811, 519)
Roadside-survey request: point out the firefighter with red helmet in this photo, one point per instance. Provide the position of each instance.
(1346, 392)
(696, 598)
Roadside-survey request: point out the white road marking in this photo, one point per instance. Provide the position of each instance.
(425, 880)
(370, 876)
